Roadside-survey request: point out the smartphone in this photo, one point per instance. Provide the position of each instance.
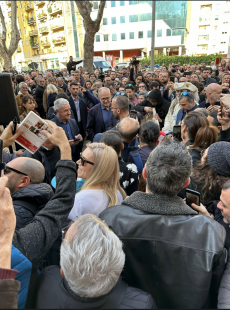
(14, 126)
(2, 165)
(188, 73)
(172, 78)
(133, 114)
(207, 105)
(76, 139)
(192, 197)
(217, 61)
(177, 132)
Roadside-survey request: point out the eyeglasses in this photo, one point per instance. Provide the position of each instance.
(83, 161)
(105, 99)
(8, 169)
(141, 86)
(185, 93)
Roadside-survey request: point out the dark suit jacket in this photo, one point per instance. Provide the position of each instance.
(95, 123)
(75, 131)
(83, 112)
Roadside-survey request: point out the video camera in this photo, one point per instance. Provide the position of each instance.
(102, 75)
(134, 61)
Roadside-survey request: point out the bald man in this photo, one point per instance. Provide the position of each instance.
(128, 128)
(213, 93)
(29, 194)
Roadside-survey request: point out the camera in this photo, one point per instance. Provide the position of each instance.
(134, 61)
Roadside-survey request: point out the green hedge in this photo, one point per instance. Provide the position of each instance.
(182, 59)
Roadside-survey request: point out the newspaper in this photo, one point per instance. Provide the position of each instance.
(32, 137)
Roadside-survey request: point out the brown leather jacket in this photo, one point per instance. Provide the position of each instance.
(45, 105)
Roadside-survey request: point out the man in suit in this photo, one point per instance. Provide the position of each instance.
(63, 119)
(99, 116)
(79, 108)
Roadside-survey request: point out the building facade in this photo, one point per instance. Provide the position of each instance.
(126, 29)
(210, 30)
(50, 31)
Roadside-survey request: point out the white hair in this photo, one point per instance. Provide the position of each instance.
(51, 89)
(59, 102)
(92, 258)
(101, 89)
(21, 84)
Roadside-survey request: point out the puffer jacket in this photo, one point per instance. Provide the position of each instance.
(171, 252)
(62, 297)
(29, 200)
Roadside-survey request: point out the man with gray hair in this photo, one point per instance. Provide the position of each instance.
(61, 84)
(171, 252)
(63, 119)
(29, 194)
(100, 117)
(187, 105)
(92, 260)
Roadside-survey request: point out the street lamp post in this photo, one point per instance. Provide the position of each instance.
(153, 34)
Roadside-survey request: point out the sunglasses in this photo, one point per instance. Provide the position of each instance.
(121, 93)
(8, 169)
(185, 93)
(83, 161)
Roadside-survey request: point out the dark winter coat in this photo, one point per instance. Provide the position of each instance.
(39, 95)
(28, 201)
(171, 252)
(60, 295)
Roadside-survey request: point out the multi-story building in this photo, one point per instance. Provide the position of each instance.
(126, 29)
(50, 31)
(210, 28)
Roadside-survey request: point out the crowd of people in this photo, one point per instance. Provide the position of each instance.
(97, 217)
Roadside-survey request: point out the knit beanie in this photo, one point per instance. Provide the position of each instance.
(219, 158)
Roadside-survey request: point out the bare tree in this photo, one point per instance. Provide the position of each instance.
(7, 52)
(91, 28)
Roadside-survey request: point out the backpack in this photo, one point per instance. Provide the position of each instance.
(137, 160)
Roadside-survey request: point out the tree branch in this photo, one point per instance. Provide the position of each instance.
(99, 15)
(3, 41)
(85, 8)
(15, 34)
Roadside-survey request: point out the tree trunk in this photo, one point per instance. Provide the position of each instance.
(7, 61)
(88, 50)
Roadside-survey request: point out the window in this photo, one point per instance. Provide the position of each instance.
(225, 22)
(22, 17)
(106, 37)
(114, 37)
(149, 33)
(113, 20)
(213, 46)
(140, 35)
(24, 54)
(122, 19)
(97, 38)
(224, 32)
(113, 4)
(168, 32)
(20, 5)
(22, 43)
(105, 21)
(95, 5)
(27, 43)
(131, 35)
(215, 27)
(28, 53)
(133, 18)
(25, 30)
(122, 3)
(105, 4)
(133, 2)
(217, 17)
(159, 33)
(122, 36)
(223, 42)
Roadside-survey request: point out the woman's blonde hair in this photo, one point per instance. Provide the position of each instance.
(105, 172)
(51, 89)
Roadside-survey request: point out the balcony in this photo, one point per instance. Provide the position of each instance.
(8, 3)
(31, 21)
(42, 16)
(45, 43)
(44, 30)
(40, 3)
(49, 51)
(203, 39)
(204, 30)
(204, 19)
(29, 8)
(34, 45)
(54, 11)
(57, 27)
(33, 33)
(60, 40)
(19, 49)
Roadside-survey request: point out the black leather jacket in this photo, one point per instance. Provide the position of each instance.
(171, 252)
(53, 292)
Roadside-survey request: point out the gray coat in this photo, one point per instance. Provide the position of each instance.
(224, 291)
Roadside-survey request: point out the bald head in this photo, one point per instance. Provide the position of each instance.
(128, 128)
(33, 173)
(104, 96)
(213, 92)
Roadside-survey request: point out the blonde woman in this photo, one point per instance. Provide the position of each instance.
(170, 120)
(51, 94)
(98, 166)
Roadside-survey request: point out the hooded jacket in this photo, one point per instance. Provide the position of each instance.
(28, 201)
(171, 252)
(162, 106)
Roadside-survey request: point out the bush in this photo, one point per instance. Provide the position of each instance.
(182, 59)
